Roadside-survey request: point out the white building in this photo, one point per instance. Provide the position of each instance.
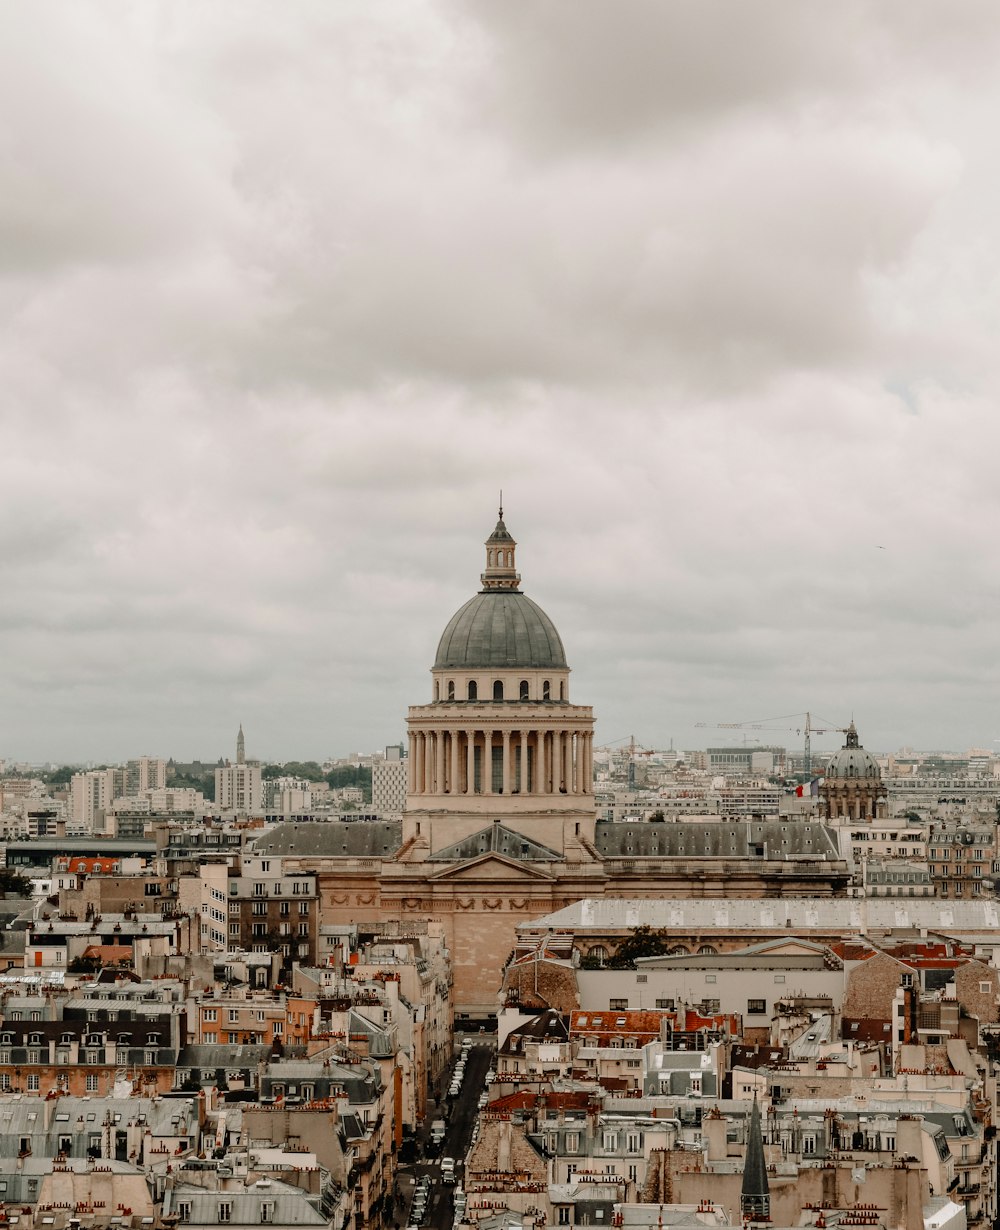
(389, 783)
(238, 786)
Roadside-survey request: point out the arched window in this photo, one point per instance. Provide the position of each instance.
(562, 691)
(599, 954)
(473, 690)
(498, 689)
(678, 950)
(489, 557)
(524, 689)
(437, 690)
(546, 690)
(706, 950)
(451, 689)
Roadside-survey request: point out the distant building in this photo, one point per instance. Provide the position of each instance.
(389, 783)
(238, 786)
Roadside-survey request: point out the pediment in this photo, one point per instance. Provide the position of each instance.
(490, 866)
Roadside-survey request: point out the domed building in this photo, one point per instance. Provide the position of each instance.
(499, 824)
(853, 788)
(500, 736)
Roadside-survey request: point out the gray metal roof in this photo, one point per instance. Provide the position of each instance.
(500, 629)
(850, 914)
(734, 839)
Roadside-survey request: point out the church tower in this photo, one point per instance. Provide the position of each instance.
(500, 741)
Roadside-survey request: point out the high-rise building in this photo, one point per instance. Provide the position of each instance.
(146, 773)
(389, 778)
(238, 786)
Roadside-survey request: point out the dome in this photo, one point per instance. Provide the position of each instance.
(852, 761)
(500, 629)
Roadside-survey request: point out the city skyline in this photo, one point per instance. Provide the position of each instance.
(291, 292)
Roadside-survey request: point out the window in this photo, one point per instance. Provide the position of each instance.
(756, 1007)
(267, 1210)
(523, 692)
(225, 1210)
(473, 690)
(546, 690)
(451, 689)
(573, 1142)
(564, 1213)
(618, 1005)
(209, 1014)
(610, 1142)
(259, 907)
(498, 689)
(33, 1082)
(234, 1014)
(633, 1142)
(303, 907)
(668, 1004)
(303, 928)
(184, 1210)
(91, 1082)
(985, 988)
(285, 908)
(709, 977)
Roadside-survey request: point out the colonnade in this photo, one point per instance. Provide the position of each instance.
(854, 805)
(463, 761)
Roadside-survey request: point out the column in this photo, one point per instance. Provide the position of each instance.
(568, 762)
(524, 762)
(506, 762)
(543, 757)
(487, 772)
(588, 762)
(470, 762)
(419, 774)
(453, 783)
(411, 763)
(439, 762)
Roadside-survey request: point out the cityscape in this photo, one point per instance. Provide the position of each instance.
(496, 976)
(499, 651)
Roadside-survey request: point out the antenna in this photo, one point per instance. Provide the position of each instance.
(501, 503)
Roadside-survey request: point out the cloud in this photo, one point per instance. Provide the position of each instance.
(288, 295)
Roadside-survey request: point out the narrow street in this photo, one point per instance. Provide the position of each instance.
(459, 1114)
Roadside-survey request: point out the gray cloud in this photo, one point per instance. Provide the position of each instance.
(288, 294)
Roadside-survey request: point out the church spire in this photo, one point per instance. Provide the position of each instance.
(500, 571)
(755, 1197)
(852, 735)
(240, 747)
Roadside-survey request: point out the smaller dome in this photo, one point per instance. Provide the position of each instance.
(852, 761)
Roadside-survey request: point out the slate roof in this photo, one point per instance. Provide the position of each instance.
(332, 839)
(497, 839)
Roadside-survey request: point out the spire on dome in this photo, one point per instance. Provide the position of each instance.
(500, 571)
(755, 1196)
(852, 735)
(240, 747)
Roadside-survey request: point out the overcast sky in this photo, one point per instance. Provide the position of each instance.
(290, 290)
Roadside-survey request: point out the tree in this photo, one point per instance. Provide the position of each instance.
(351, 775)
(13, 882)
(643, 942)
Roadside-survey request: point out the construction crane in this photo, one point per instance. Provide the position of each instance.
(807, 729)
(634, 750)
